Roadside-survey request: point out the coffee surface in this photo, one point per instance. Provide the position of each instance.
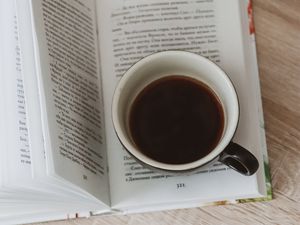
(176, 120)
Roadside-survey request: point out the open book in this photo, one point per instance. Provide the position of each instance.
(60, 61)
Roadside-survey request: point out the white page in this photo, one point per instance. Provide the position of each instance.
(36, 139)
(17, 146)
(120, 20)
(70, 93)
(41, 181)
(40, 194)
(36, 207)
(45, 216)
(18, 168)
(2, 120)
(17, 171)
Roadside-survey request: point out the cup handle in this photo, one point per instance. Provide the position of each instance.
(239, 159)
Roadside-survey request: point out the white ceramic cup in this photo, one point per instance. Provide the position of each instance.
(182, 63)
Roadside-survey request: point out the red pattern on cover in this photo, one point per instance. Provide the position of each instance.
(250, 16)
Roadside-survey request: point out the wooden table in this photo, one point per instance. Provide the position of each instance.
(278, 44)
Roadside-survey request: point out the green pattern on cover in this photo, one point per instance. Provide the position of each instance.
(268, 186)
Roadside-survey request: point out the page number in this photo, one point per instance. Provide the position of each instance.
(180, 185)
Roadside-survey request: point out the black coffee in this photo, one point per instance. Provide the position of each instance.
(176, 120)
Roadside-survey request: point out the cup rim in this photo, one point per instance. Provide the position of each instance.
(165, 166)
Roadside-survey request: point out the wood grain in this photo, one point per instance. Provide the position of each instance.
(278, 43)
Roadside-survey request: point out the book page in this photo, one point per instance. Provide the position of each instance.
(2, 99)
(36, 137)
(17, 172)
(17, 157)
(130, 30)
(70, 90)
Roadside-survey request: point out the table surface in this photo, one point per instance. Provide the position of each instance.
(277, 26)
